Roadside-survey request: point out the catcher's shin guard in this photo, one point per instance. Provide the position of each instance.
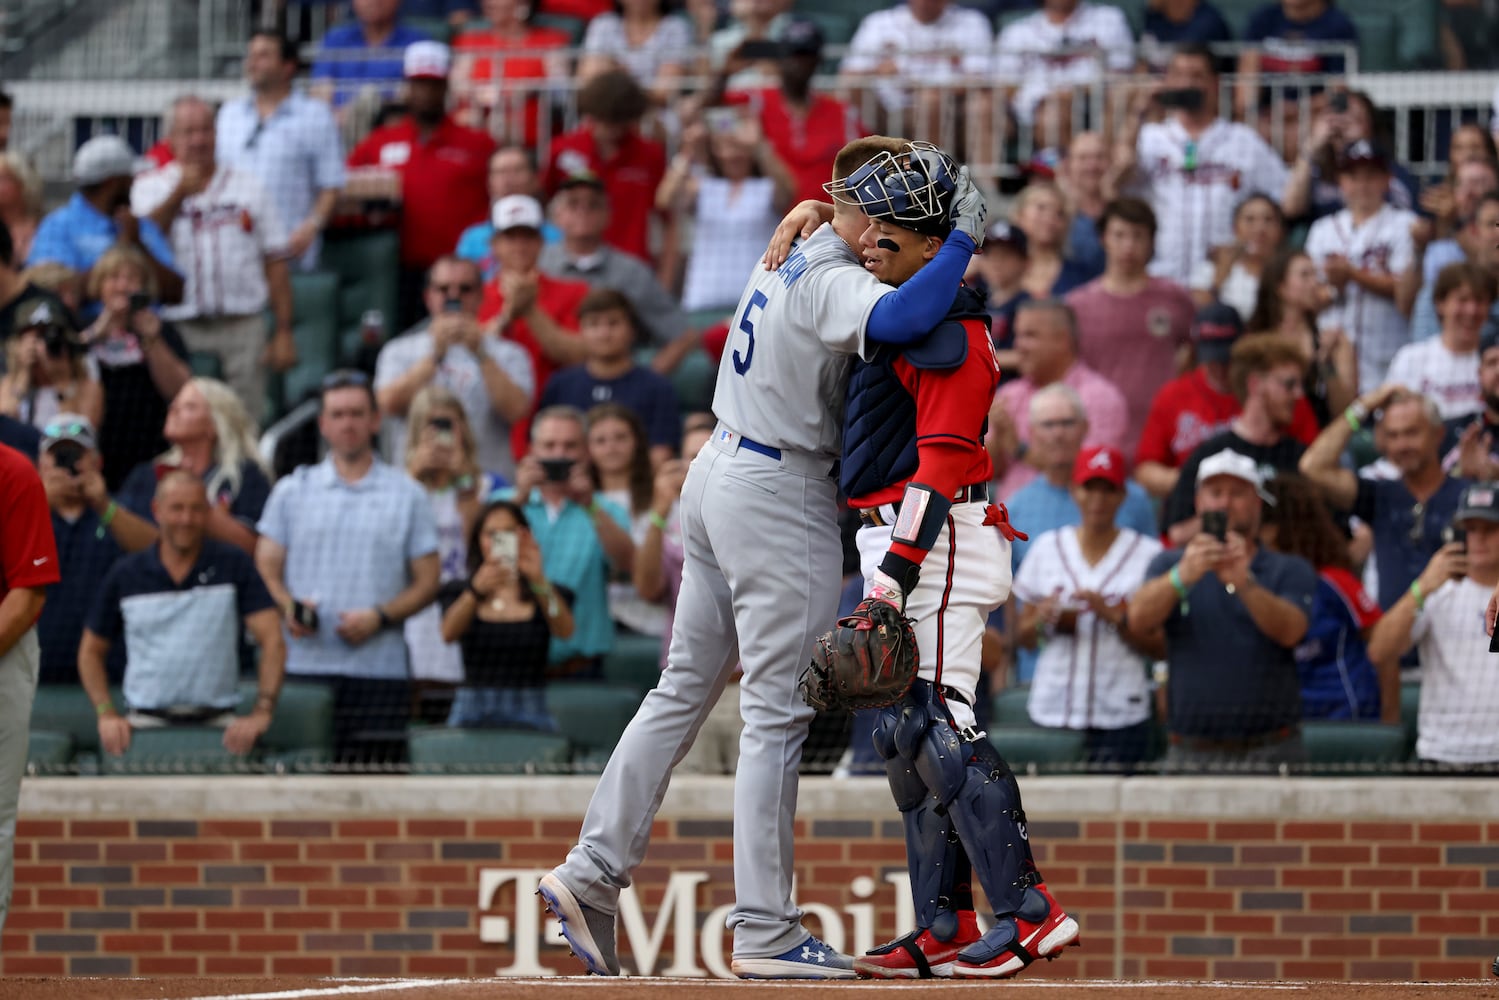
(980, 795)
(939, 870)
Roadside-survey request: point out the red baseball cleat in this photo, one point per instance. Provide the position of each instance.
(919, 955)
(1014, 942)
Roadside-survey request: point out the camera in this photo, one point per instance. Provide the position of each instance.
(139, 301)
(1183, 98)
(60, 342)
(66, 455)
(441, 423)
(557, 470)
(1215, 523)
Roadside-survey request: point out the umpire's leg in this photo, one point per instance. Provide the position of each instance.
(18, 672)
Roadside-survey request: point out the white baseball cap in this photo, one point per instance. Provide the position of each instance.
(1231, 463)
(103, 157)
(517, 211)
(427, 61)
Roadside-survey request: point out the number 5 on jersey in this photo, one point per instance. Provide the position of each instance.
(747, 324)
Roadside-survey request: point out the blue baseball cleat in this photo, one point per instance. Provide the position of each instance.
(812, 959)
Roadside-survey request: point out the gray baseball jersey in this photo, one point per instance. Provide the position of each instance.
(791, 344)
(759, 582)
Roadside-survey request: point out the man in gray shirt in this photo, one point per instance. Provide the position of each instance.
(580, 209)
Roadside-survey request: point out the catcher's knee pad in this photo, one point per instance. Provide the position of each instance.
(982, 799)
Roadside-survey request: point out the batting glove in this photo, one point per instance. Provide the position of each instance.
(969, 210)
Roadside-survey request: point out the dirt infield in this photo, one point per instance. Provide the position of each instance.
(594, 988)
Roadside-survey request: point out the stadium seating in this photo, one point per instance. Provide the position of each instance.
(366, 265)
(438, 749)
(65, 709)
(1030, 746)
(1339, 746)
(206, 365)
(1410, 711)
(592, 717)
(48, 752)
(635, 661)
(175, 750)
(315, 328)
(300, 737)
(1009, 706)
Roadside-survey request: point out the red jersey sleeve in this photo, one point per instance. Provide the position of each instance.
(1155, 436)
(1361, 607)
(28, 550)
(367, 153)
(951, 406)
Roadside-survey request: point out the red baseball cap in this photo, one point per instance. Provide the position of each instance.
(1101, 461)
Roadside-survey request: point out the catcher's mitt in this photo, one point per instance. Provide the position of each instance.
(867, 660)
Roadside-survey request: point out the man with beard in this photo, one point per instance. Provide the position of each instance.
(1474, 438)
(1407, 515)
(444, 170)
(98, 216)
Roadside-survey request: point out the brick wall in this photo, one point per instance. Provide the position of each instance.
(381, 876)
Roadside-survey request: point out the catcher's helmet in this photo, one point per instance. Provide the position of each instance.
(912, 188)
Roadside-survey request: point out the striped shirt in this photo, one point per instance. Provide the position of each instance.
(1446, 378)
(349, 547)
(1459, 699)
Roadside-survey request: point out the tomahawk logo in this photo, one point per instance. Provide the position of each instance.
(1101, 462)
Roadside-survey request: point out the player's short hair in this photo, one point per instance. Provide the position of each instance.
(453, 260)
(286, 47)
(614, 98)
(1055, 307)
(859, 152)
(1057, 390)
(1257, 354)
(603, 300)
(1464, 274)
(1129, 210)
(561, 411)
(1197, 50)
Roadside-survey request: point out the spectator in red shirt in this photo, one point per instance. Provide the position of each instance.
(538, 312)
(609, 144)
(28, 563)
(1133, 328)
(502, 68)
(443, 168)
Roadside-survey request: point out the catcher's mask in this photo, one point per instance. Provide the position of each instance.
(912, 188)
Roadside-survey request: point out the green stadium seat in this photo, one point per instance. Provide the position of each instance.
(693, 381)
(1413, 27)
(176, 750)
(48, 752)
(1361, 448)
(435, 28)
(1410, 714)
(1378, 41)
(1010, 707)
(1047, 749)
(368, 268)
(300, 737)
(1237, 13)
(1134, 11)
(634, 662)
(438, 749)
(206, 364)
(837, 27)
(315, 328)
(65, 708)
(572, 27)
(1340, 746)
(592, 716)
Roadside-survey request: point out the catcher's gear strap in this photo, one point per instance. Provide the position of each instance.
(908, 313)
(945, 347)
(923, 511)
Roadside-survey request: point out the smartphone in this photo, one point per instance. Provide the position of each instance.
(721, 120)
(1455, 533)
(1215, 523)
(504, 546)
(557, 470)
(1184, 98)
(65, 455)
(139, 301)
(304, 615)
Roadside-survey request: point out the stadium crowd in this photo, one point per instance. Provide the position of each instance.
(1251, 366)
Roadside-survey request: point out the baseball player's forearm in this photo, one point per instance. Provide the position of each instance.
(93, 649)
(18, 612)
(907, 314)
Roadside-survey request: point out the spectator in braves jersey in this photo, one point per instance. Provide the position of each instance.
(1291, 36)
(231, 246)
(28, 564)
(1133, 329)
(1074, 584)
(443, 167)
(1439, 614)
(1192, 407)
(1046, 56)
(1046, 338)
(1265, 372)
(1312, 192)
(1338, 679)
(1407, 514)
(1360, 250)
(1234, 612)
(1445, 370)
(1195, 167)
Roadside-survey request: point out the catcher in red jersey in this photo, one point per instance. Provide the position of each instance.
(934, 546)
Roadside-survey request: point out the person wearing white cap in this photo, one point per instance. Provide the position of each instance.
(98, 216)
(443, 167)
(1233, 613)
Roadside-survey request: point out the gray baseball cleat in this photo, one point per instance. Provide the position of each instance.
(589, 932)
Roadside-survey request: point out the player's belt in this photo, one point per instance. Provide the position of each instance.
(763, 449)
(972, 493)
(800, 463)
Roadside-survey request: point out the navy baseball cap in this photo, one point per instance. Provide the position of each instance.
(1363, 153)
(1479, 502)
(802, 37)
(1004, 234)
(1214, 331)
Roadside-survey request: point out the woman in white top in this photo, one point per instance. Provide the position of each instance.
(1233, 275)
(735, 187)
(641, 38)
(619, 458)
(1445, 370)
(440, 455)
(1074, 585)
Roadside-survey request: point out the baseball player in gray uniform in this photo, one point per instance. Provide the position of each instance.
(759, 583)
